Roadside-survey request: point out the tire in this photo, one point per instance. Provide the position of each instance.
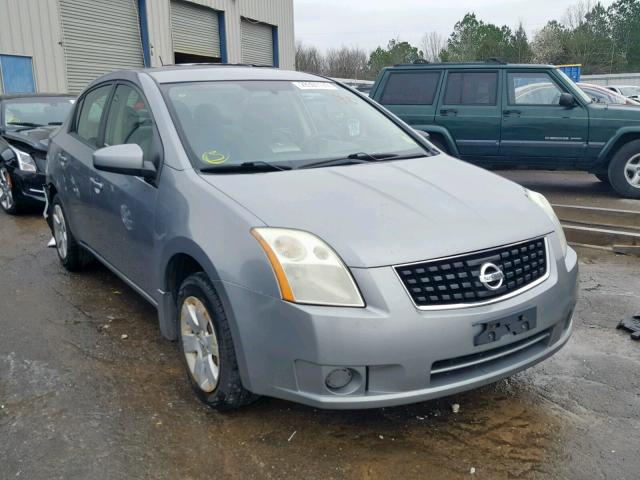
(8, 200)
(603, 177)
(72, 256)
(624, 170)
(207, 347)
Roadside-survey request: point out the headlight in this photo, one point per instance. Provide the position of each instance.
(544, 204)
(307, 269)
(25, 161)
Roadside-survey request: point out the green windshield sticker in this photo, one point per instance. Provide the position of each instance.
(214, 157)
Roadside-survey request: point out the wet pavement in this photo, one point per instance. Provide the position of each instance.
(78, 400)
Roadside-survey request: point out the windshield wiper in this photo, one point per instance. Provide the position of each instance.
(246, 167)
(359, 157)
(25, 124)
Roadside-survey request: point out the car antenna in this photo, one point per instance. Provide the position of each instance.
(161, 62)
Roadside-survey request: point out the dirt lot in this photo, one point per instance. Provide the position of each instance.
(77, 400)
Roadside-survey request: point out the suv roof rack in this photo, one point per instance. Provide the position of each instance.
(421, 61)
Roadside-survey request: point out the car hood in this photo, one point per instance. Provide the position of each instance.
(395, 212)
(37, 138)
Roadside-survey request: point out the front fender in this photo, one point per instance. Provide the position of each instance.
(622, 136)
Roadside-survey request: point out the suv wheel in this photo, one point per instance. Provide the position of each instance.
(7, 199)
(72, 256)
(207, 346)
(624, 170)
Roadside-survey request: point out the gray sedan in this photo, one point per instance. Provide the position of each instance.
(301, 242)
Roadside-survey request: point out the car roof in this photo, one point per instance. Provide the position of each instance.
(213, 72)
(10, 96)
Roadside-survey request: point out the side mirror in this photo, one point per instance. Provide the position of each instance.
(567, 100)
(126, 159)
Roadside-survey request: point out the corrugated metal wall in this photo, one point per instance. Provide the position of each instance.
(194, 29)
(273, 12)
(32, 28)
(98, 38)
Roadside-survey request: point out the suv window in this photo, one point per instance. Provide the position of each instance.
(410, 88)
(88, 124)
(129, 120)
(533, 88)
(471, 88)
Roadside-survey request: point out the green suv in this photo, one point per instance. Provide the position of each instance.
(501, 115)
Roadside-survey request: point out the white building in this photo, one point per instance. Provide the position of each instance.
(62, 45)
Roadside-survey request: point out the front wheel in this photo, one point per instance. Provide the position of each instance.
(207, 347)
(624, 170)
(7, 197)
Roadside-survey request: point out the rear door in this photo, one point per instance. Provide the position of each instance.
(75, 159)
(411, 95)
(536, 129)
(470, 109)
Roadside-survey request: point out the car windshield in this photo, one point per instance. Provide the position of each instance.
(604, 96)
(35, 112)
(286, 123)
(630, 91)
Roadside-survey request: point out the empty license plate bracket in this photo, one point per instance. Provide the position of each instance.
(512, 325)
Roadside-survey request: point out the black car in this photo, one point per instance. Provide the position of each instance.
(26, 122)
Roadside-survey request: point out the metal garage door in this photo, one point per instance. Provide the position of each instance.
(194, 29)
(99, 37)
(257, 42)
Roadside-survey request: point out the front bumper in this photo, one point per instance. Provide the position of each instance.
(29, 186)
(286, 350)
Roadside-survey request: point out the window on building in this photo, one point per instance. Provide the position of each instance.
(88, 123)
(533, 88)
(471, 88)
(417, 88)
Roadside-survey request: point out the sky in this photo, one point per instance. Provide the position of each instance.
(370, 23)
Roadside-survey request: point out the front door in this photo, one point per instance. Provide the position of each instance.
(470, 110)
(124, 205)
(535, 128)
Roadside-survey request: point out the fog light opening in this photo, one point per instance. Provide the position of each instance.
(343, 381)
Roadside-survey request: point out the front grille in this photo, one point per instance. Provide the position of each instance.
(455, 280)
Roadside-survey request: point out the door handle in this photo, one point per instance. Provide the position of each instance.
(447, 111)
(97, 185)
(512, 112)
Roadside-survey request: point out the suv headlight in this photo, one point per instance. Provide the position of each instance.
(25, 161)
(307, 269)
(544, 204)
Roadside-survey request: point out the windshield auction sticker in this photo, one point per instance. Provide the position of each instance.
(315, 86)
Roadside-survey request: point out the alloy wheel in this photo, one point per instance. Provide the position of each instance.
(6, 193)
(632, 171)
(200, 344)
(60, 231)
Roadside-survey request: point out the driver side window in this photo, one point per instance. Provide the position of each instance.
(533, 88)
(129, 121)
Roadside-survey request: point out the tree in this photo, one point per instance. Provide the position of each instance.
(309, 59)
(346, 62)
(397, 52)
(549, 44)
(432, 46)
(472, 39)
(519, 50)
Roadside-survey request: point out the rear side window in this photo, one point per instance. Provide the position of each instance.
(418, 88)
(471, 88)
(88, 123)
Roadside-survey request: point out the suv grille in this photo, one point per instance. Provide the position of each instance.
(455, 280)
